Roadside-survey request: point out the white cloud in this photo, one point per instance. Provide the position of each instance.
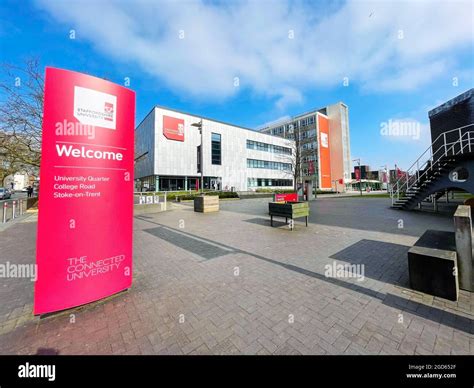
(288, 96)
(250, 40)
(409, 80)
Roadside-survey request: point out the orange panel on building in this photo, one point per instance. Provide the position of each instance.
(324, 153)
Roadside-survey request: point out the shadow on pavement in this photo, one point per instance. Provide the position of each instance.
(371, 253)
(419, 309)
(190, 244)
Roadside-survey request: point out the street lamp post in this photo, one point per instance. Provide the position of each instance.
(386, 175)
(360, 174)
(201, 153)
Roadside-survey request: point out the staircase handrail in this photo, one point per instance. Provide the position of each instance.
(460, 140)
(406, 176)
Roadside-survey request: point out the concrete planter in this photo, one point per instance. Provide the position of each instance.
(432, 265)
(149, 208)
(206, 203)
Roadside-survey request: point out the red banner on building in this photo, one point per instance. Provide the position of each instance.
(324, 153)
(84, 245)
(173, 128)
(357, 173)
(400, 173)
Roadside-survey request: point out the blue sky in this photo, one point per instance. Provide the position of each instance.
(250, 62)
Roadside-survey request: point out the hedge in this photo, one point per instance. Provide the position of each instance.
(221, 194)
(277, 191)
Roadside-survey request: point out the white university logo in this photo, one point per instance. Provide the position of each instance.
(324, 140)
(95, 108)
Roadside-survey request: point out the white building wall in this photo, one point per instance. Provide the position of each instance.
(339, 135)
(176, 158)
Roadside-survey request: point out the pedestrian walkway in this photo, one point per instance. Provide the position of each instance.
(228, 283)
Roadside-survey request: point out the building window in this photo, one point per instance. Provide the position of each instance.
(256, 145)
(198, 158)
(255, 163)
(216, 148)
(266, 182)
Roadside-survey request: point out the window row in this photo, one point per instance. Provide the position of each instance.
(309, 146)
(311, 133)
(308, 121)
(255, 163)
(264, 182)
(308, 158)
(295, 124)
(278, 130)
(256, 145)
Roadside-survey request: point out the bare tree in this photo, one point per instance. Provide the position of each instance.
(21, 113)
(294, 160)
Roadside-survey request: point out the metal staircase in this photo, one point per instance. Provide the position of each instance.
(434, 172)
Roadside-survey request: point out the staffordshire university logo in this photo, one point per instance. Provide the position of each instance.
(109, 110)
(94, 108)
(324, 140)
(173, 128)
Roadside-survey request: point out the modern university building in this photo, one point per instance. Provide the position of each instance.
(324, 143)
(168, 146)
(168, 150)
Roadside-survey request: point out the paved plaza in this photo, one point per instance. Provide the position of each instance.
(228, 283)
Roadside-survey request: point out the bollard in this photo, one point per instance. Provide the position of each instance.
(13, 210)
(464, 247)
(5, 205)
(20, 206)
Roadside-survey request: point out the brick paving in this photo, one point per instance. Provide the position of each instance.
(227, 283)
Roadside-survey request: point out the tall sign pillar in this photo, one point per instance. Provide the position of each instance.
(84, 244)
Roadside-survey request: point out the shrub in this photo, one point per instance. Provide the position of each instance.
(228, 194)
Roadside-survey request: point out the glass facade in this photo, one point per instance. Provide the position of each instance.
(266, 182)
(172, 184)
(255, 163)
(167, 183)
